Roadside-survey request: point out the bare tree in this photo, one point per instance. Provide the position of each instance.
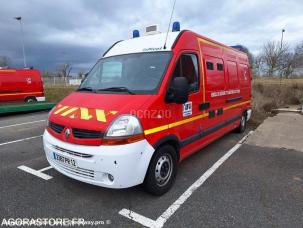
(286, 62)
(298, 55)
(269, 57)
(5, 61)
(258, 65)
(276, 59)
(64, 70)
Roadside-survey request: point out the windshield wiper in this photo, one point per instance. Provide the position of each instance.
(117, 89)
(86, 89)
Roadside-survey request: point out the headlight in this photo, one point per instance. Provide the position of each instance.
(124, 129)
(124, 125)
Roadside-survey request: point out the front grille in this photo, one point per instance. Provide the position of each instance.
(56, 127)
(78, 154)
(86, 134)
(77, 171)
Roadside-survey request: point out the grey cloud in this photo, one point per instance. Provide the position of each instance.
(79, 31)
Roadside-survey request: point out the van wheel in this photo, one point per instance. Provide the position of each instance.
(242, 125)
(162, 171)
(30, 100)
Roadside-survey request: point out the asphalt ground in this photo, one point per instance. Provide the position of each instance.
(255, 187)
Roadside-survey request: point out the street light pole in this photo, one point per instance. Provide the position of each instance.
(22, 39)
(283, 30)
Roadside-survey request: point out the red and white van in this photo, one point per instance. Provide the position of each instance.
(144, 107)
(23, 85)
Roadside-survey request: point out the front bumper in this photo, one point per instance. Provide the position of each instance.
(126, 163)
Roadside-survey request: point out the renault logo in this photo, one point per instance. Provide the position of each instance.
(67, 133)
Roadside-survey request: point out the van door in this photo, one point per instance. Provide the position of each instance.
(187, 66)
(234, 95)
(215, 88)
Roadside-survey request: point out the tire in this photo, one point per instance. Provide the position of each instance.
(30, 100)
(162, 171)
(242, 126)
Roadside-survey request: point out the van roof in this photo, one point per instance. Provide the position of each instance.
(146, 43)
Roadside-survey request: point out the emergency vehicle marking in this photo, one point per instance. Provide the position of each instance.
(178, 123)
(68, 111)
(83, 113)
(12, 94)
(225, 92)
(8, 71)
(100, 114)
(236, 105)
(29, 81)
(61, 109)
(187, 109)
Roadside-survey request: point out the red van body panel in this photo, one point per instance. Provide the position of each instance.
(18, 85)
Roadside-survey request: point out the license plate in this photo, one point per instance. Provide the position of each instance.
(68, 161)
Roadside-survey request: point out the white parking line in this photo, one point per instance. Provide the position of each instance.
(175, 206)
(46, 168)
(34, 172)
(14, 125)
(20, 140)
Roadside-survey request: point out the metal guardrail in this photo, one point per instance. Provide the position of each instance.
(277, 81)
(48, 81)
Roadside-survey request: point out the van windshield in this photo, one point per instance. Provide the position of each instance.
(139, 73)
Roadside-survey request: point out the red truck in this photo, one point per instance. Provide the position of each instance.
(146, 106)
(20, 85)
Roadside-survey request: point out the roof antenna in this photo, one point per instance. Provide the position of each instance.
(171, 16)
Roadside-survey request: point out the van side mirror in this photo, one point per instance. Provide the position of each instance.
(178, 92)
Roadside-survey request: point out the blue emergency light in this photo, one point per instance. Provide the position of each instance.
(176, 26)
(238, 47)
(136, 33)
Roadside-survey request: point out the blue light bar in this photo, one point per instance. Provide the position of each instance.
(238, 47)
(176, 26)
(136, 33)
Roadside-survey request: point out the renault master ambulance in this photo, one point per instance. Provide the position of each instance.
(146, 105)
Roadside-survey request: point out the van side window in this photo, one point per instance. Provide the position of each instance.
(209, 65)
(219, 67)
(187, 66)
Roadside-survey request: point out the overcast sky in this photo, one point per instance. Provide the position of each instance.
(79, 31)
